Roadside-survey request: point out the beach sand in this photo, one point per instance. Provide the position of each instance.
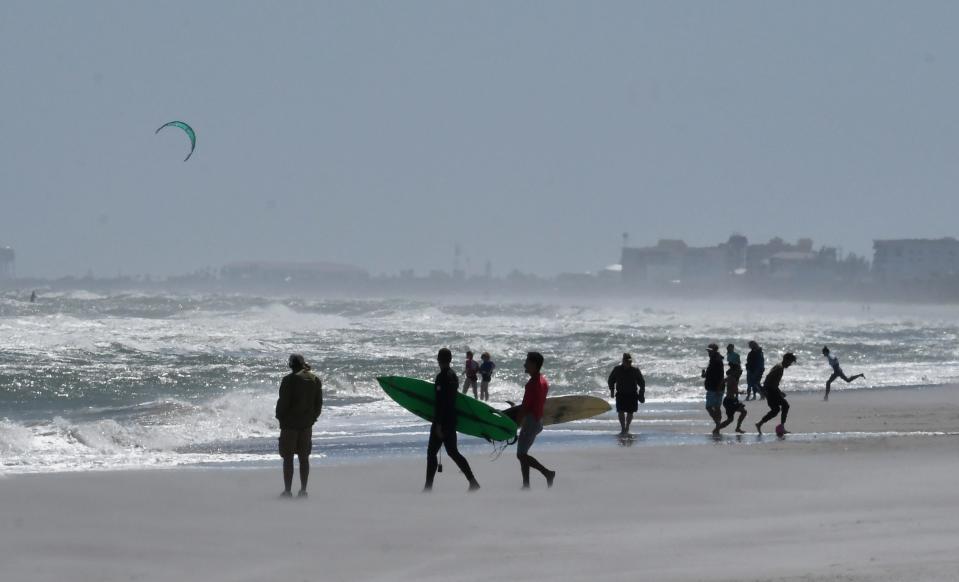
(827, 507)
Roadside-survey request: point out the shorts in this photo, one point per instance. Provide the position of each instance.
(469, 383)
(527, 434)
(296, 442)
(627, 401)
(733, 405)
(714, 399)
(774, 399)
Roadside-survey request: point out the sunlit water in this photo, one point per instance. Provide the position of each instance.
(92, 381)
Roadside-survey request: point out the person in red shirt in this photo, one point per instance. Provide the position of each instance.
(530, 418)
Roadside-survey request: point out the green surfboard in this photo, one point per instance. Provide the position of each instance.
(474, 418)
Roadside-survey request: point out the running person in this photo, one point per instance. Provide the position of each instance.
(836, 371)
(731, 402)
(774, 396)
(530, 418)
(713, 383)
(443, 429)
(627, 386)
(470, 371)
(486, 374)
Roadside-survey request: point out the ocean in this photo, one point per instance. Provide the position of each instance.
(134, 380)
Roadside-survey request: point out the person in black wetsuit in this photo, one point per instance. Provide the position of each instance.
(443, 429)
(774, 396)
(627, 386)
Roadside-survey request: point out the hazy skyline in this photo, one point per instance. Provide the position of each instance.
(533, 134)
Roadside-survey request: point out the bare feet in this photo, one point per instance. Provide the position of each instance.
(474, 486)
(549, 478)
(759, 428)
(740, 431)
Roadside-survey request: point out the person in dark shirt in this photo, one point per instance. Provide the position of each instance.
(774, 396)
(297, 408)
(713, 382)
(731, 402)
(486, 375)
(627, 386)
(443, 429)
(755, 366)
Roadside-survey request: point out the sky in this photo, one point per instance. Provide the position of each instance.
(531, 134)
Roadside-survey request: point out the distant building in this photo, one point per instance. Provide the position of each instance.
(806, 266)
(759, 257)
(915, 259)
(316, 273)
(672, 261)
(7, 263)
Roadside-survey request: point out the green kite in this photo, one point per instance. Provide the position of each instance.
(189, 131)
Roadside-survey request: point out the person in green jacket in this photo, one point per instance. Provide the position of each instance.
(298, 407)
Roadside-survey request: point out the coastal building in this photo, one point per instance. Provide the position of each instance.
(312, 274)
(7, 263)
(903, 260)
(673, 261)
(759, 257)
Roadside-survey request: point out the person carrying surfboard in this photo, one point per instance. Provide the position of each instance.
(443, 429)
(628, 387)
(297, 408)
(530, 418)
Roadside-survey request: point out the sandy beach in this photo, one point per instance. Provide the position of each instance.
(879, 505)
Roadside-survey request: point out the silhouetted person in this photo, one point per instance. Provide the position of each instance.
(486, 375)
(298, 407)
(731, 403)
(530, 418)
(755, 366)
(443, 429)
(713, 382)
(627, 386)
(33, 297)
(774, 396)
(470, 371)
(836, 371)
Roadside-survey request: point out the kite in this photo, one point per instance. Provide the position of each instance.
(189, 131)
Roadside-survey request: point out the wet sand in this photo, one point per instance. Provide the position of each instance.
(876, 502)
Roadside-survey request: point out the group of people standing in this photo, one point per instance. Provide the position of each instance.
(472, 371)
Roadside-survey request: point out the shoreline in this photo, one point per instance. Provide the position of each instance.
(657, 424)
(853, 509)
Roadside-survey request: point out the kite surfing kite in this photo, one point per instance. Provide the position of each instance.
(189, 132)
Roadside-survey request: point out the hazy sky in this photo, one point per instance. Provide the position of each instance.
(532, 133)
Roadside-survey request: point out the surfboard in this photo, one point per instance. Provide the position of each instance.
(474, 418)
(559, 409)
